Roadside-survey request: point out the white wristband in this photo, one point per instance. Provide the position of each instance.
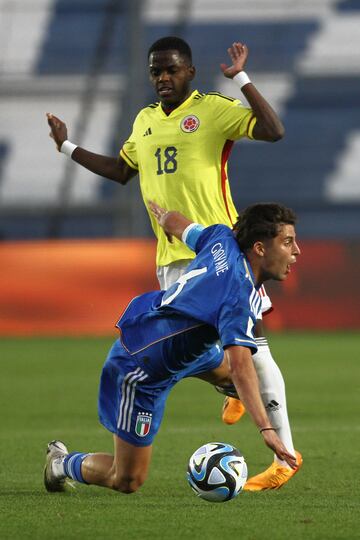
(67, 148)
(241, 79)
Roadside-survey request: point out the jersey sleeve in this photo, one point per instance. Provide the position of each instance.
(212, 234)
(236, 326)
(191, 235)
(232, 118)
(129, 152)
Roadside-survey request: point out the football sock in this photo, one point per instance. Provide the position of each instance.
(72, 466)
(272, 390)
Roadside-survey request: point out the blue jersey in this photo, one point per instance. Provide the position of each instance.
(215, 299)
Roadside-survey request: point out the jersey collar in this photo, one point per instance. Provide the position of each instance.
(184, 105)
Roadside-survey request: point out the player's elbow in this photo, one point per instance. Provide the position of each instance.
(269, 131)
(277, 133)
(120, 180)
(119, 175)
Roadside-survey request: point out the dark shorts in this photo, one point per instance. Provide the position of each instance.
(131, 402)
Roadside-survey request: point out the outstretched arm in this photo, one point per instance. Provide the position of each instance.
(268, 125)
(173, 222)
(113, 168)
(243, 374)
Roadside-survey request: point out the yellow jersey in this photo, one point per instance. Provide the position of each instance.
(182, 161)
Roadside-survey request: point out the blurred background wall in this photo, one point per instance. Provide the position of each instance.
(85, 61)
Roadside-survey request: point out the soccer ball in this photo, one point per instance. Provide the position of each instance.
(217, 472)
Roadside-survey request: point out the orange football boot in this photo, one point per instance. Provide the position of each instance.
(233, 409)
(274, 477)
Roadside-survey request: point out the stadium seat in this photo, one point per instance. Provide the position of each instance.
(305, 59)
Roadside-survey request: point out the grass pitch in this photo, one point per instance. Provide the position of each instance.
(48, 389)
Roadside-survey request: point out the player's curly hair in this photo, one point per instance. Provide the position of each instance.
(169, 43)
(261, 221)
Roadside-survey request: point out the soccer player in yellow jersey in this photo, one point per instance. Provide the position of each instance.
(180, 146)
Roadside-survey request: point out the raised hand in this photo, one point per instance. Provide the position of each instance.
(58, 130)
(238, 53)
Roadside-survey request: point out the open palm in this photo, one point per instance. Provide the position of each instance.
(238, 53)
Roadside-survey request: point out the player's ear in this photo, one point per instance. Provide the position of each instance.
(259, 248)
(192, 72)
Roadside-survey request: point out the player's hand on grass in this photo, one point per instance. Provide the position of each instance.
(272, 441)
(159, 214)
(238, 53)
(58, 130)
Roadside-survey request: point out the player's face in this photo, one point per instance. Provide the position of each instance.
(170, 75)
(280, 253)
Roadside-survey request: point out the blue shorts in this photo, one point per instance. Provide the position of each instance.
(131, 402)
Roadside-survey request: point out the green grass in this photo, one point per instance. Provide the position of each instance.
(48, 389)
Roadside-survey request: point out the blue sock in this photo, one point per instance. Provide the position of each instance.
(72, 466)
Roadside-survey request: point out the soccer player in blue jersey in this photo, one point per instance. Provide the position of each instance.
(180, 147)
(165, 335)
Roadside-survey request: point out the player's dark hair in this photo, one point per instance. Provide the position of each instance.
(260, 222)
(169, 43)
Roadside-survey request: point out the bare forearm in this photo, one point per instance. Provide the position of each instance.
(105, 166)
(268, 125)
(108, 167)
(245, 379)
(174, 223)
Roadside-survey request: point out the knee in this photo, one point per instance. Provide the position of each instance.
(126, 483)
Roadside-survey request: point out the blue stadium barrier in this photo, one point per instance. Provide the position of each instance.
(321, 112)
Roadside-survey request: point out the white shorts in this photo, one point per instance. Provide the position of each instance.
(167, 275)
